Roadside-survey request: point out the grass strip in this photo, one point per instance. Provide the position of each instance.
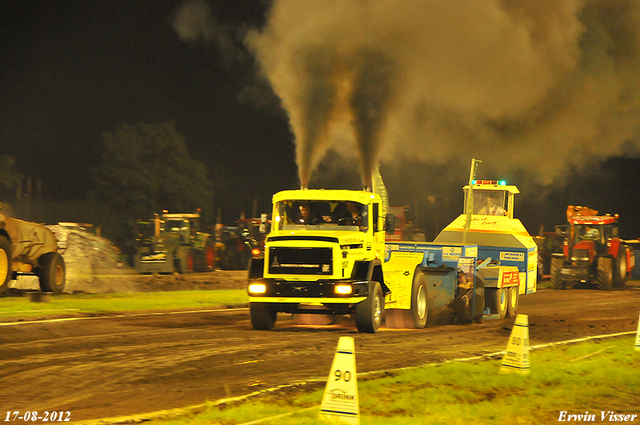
(594, 377)
(64, 305)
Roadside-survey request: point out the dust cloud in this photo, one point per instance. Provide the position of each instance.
(521, 85)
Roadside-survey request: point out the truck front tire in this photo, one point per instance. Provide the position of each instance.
(51, 272)
(369, 312)
(263, 316)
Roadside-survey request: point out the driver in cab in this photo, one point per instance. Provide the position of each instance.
(492, 207)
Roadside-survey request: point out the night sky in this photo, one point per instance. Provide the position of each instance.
(71, 72)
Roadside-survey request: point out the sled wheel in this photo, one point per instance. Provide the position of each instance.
(513, 300)
(496, 300)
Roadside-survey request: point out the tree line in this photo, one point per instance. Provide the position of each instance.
(143, 169)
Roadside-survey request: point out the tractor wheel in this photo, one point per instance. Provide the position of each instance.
(52, 273)
(496, 300)
(605, 273)
(184, 260)
(369, 312)
(513, 299)
(5, 263)
(557, 282)
(620, 268)
(263, 316)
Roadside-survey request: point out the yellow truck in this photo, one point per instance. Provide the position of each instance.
(326, 254)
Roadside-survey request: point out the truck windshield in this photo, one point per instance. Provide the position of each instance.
(322, 215)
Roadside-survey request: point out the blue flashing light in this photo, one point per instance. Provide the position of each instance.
(473, 181)
(502, 183)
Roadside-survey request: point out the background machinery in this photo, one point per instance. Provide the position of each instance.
(174, 242)
(238, 244)
(593, 252)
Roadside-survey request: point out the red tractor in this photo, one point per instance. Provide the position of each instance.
(593, 252)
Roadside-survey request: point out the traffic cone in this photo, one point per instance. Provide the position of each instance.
(340, 401)
(638, 336)
(516, 359)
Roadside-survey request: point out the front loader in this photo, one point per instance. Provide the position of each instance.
(29, 255)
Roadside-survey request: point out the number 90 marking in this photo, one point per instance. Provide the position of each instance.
(346, 375)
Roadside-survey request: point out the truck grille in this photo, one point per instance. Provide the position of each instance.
(309, 261)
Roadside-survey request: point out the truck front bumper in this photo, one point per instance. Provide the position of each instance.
(321, 291)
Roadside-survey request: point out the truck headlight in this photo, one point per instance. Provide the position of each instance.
(343, 289)
(257, 288)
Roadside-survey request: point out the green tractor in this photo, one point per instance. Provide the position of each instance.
(174, 242)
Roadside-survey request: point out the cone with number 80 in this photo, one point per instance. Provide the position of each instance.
(516, 359)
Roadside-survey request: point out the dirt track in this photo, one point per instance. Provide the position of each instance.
(107, 367)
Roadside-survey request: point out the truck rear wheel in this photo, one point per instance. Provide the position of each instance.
(557, 282)
(263, 316)
(605, 273)
(620, 268)
(369, 311)
(416, 317)
(5, 263)
(513, 299)
(419, 302)
(51, 272)
(496, 300)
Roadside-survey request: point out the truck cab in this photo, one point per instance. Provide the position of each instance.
(323, 255)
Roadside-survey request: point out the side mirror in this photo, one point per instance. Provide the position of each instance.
(390, 224)
(263, 223)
